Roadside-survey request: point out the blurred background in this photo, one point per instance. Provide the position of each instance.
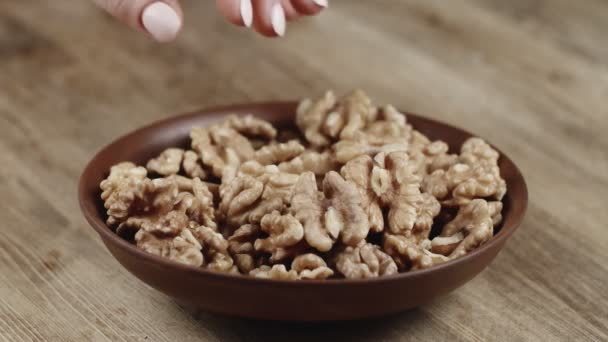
(531, 76)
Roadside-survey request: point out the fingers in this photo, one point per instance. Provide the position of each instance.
(238, 12)
(162, 20)
(309, 7)
(268, 17)
(290, 11)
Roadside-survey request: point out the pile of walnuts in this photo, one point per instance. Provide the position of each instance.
(355, 192)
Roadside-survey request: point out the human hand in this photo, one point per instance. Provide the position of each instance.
(162, 19)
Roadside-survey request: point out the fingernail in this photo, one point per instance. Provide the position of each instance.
(277, 17)
(246, 12)
(161, 21)
(321, 3)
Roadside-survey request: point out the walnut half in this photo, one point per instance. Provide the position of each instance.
(335, 212)
(364, 261)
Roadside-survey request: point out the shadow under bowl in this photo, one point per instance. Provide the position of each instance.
(336, 299)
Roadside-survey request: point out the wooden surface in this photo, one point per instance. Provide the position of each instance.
(530, 75)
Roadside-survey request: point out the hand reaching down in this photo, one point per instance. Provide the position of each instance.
(163, 19)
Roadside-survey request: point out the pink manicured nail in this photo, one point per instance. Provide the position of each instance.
(321, 3)
(277, 17)
(161, 21)
(246, 12)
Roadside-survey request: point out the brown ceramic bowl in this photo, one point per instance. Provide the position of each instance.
(243, 296)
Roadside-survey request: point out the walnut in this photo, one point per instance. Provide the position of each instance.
(276, 192)
(475, 221)
(185, 184)
(391, 115)
(346, 150)
(239, 196)
(231, 166)
(484, 182)
(223, 146)
(210, 154)
(356, 110)
(464, 183)
(167, 163)
(345, 210)
(445, 245)
(323, 122)
(280, 254)
(410, 252)
(311, 266)
(326, 215)
(441, 183)
(173, 235)
(278, 153)
(307, 207)
(185, 249)
(182, 247)
(222, 262)
(283, 231)
(160, 216)
(242, 201)
(280, 186)
(220, 147)
(476, 150)
(215, 249)
(427, 259)
(364, 261)
(359, 171)
(198, 204)
(305, 266)
(126, 193)
(244, 262)
(277, 272)
(240, 245)
(170, 223)
(119, 189)
(254, 169)
(430, 156)
(398, 187)
(388, 134)
(426, 211)
(211, 239)
(476, 175)
(319, 163)
(437, 157)
(311, 116)
(242, 240)
(251, 126)
(192, 165)
(227, 137)
(389, 129)
(277, 184)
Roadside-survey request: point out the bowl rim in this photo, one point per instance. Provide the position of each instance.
(87, 207)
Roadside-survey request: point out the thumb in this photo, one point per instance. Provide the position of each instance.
(162, 20)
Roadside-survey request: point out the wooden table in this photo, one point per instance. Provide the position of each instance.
(530, 75)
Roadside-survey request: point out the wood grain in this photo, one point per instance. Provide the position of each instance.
(530, 75)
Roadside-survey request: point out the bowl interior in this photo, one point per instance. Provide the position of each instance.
(147, 142)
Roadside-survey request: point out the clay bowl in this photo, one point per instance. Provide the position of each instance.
(285, 300)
